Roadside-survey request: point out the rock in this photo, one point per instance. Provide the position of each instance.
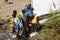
(4, 37)
(36, 37)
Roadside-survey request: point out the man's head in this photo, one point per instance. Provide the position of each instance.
(23, 11)
(14, 13)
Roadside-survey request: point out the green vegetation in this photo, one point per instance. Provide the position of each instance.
(51, 29)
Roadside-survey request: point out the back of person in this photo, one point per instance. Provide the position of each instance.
(19, 26)
(16, 20)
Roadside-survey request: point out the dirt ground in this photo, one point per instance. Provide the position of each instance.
(6, 10)
(7, 6)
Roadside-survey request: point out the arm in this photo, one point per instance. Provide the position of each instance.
(25, 24)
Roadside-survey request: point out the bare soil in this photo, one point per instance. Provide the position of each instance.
(7, 6)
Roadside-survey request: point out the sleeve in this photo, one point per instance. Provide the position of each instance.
(11, 24)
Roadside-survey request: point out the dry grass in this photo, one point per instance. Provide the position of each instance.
(51, 30)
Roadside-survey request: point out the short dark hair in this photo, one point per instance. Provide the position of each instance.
(23, 11)
(14, 13)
